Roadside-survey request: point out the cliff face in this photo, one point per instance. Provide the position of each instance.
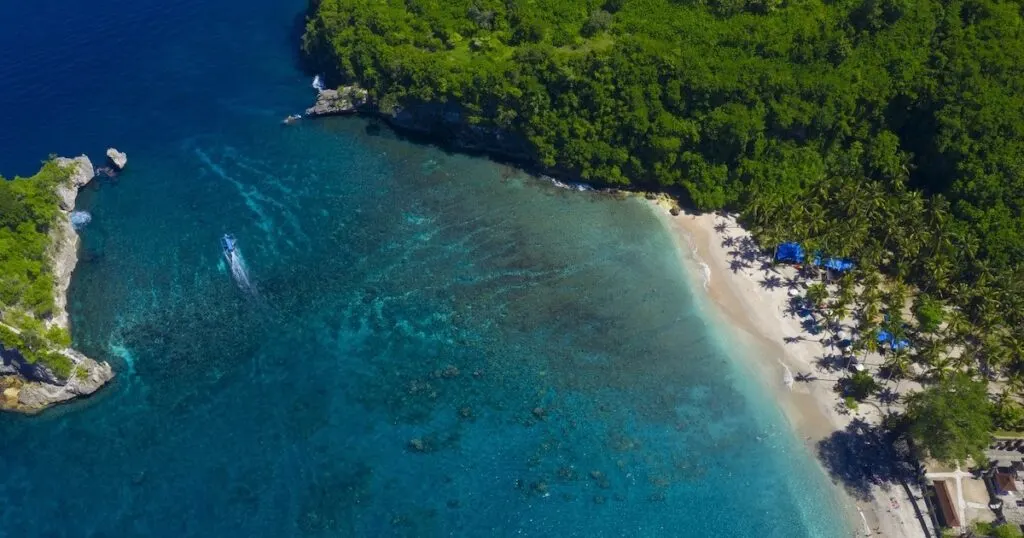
(64, 238)
(31, 387)
(444, 122)
(344, 100)
(449, 122)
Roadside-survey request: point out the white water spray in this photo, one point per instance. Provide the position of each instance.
(80, 218)
(318, 83)
(581, 187)
(706, 273)
(239, 271)
(787, 375)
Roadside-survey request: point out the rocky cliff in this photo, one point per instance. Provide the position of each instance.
(30, 387)
(447, 123)
(344, 100)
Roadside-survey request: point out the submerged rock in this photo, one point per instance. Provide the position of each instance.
(540, 487)
(600, 479)
(117, 159)
(344, 100)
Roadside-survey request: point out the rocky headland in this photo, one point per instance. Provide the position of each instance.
(345, 100)
(28, 387)
(444, 122)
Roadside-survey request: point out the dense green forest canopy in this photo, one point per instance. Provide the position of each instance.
(891, 131)
(725, 98)
(28, 209)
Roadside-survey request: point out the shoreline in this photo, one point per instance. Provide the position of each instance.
(757, 315)
(753, 313)
(33, 394)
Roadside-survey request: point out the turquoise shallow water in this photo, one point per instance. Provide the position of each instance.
(433, 344)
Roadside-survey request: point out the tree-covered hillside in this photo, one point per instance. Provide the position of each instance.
(887, 130)
(721, 96)
(28, 209)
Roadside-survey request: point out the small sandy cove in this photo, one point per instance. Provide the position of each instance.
(708, 244)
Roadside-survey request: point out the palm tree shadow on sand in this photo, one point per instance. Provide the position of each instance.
(864, 456)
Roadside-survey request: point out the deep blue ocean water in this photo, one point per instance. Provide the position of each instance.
(431, 345)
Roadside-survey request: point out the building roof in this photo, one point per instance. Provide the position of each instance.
(946, 505)
(1005, 482)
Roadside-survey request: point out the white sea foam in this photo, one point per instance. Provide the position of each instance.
(581, 187)
(787, 376)
(706, 270)
(119, 350)
(318, 83)
(80, 218)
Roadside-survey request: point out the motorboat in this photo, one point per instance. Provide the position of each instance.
(227, 242)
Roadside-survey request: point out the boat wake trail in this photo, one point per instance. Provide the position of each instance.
(240, 272)
(236, 263)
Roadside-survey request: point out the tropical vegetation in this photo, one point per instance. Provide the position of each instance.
(887, 131)
(952, 419)
(1005, 530)
(28, 209)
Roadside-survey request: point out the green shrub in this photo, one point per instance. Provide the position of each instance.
(56, 362)
(861, 385)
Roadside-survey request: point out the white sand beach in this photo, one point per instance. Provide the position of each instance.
(712, 243)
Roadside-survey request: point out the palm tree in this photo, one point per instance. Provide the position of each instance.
(817, 294)
(1015, 344)
(938, 267)
(764, 206)
(933, 354)
(938, 261)
(867, 343)
(839, 308)
(1015, 383)
(940, 368)
(1005, 349)
(958, 327)
(898, 365)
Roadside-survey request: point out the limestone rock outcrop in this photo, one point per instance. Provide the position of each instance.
(118, 159)
(81, 174)
(28, 387)
(344, 100)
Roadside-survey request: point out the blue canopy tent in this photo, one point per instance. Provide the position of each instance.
(896, 344)
(840, 265)
(789, 252)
